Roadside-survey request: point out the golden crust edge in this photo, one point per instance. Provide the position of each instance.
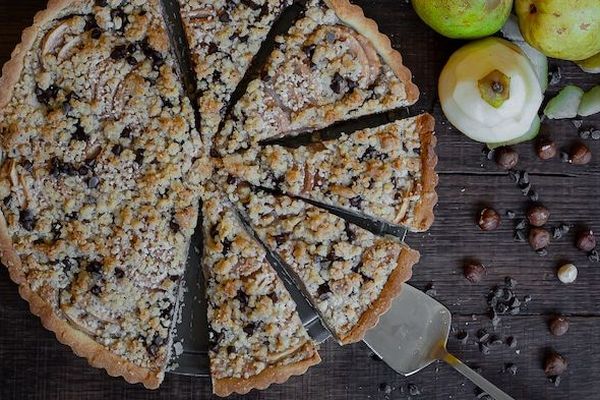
(424, 216)
(273, 374)
(354, 16)
(81, 344)
(370, 318)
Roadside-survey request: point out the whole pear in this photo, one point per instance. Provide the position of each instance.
(464, 19)
(565, 29)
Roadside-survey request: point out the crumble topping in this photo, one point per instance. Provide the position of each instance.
(224, 36)
(321, 72)
(101, 171)
(342, 267)
(253, 320)
(375, 171)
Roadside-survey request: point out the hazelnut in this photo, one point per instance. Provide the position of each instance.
(474, 272)
(488, 219)
(538, 215)
(546, 148)
(559, 326)
(555, 364)
(539, 238)
(506, 157)
(586, 240)
(580, 154)
(567, 273)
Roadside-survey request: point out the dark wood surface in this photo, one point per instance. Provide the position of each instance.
(33, 365)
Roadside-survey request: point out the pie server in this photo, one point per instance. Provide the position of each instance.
(413, 334)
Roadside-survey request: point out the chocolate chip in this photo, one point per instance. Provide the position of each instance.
(337, 83)
(511, 342)
(212, 48)
(462, 336)
(27, 219)
(538, 215)
(242, 297)
(231, 180)
(519, 235)
(93, 182)
(594, 256)
(510, 214)
(281, 238)
(226, 246)
(555, 75)
(488, 219)
(273, 296)
(47, 95)
(586, 241)
(117, 149)
(224, 17)
(139, 156)
(249, 329)
(474, 272)
(231, 349)
(119, 52)
(385, 388)
(558, 326)
(413, 389)
(511, 368)
(555, 364)
(94, 267)
(356, 202)
(80, 134)
(131, 60)
(83, 170)
(126, 133)
(101, 3)
(96, 33)
(309, 51)
(119, 273)
(27, 165)
(251, 5)
(323, 290)
(96, 290)
(371, 153)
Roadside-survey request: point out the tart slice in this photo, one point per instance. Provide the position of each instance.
(386, 173)
(223, 37)
(350, 275)
(256, 335)
(100, 176)
(332, 65)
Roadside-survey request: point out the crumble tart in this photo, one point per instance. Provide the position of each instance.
(256, 335)
(223, 37)
(100, 177)
(350, 275)
(386, 173)
(332, 65)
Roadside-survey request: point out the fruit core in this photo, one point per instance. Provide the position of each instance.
(494, 88)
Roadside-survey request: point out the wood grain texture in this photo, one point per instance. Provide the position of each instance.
(33, 365)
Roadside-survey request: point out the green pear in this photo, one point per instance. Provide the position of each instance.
(564, 29)
(465, 19)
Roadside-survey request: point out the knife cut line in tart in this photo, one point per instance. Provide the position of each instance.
(332, 65)
(256, 335)
(350, 275)
(101, 173)
(386, 173)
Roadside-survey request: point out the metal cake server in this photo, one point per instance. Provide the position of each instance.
(414, 333)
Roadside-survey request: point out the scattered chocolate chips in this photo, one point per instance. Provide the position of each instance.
(546, 148)
(586, 241)
(580, 154)
(371, 153)
(506, 157)
(539, 238)
(555, 364)
(488, 219)
(558, 326)
(27, 219)
(538, 215)
(474, 271)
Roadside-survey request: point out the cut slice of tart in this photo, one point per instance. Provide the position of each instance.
(223, 37)
(256, 335)
(100, 178)
(349, 274)
(386, 173)
(332, 65)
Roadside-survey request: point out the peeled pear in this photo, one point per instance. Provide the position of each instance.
(470, 110)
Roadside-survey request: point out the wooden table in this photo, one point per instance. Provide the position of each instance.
(35, 366)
